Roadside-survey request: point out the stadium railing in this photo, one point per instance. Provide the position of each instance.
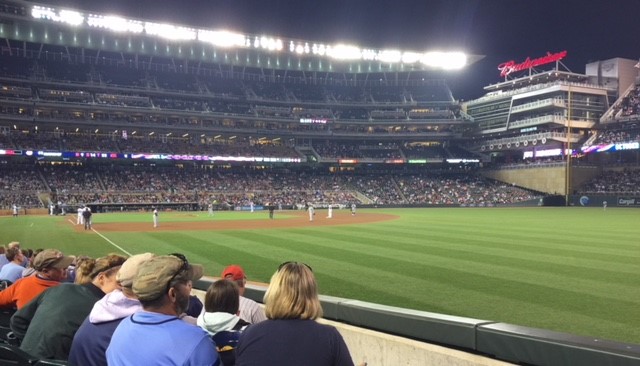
(506, 342)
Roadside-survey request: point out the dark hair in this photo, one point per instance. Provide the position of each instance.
(222, 296)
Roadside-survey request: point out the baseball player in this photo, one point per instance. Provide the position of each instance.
(312, 212)
(155, 217)
(330, 212)
(79, 219)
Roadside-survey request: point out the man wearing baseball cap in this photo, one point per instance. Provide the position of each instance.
(51, 268)
(162, 285)
(250, 310)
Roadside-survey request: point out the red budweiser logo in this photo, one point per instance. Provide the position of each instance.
(508, 67)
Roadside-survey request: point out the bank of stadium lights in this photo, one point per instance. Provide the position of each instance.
(114, 23)
(223, 38)
(226, 39)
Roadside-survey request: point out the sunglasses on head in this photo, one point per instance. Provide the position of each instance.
(288, 262)
(183, 268)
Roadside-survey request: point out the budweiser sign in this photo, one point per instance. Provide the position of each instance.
(508, 67)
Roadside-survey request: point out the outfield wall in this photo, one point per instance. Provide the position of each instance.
(387, 335)
(544, 178)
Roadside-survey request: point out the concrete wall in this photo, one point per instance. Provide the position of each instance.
(544, 179)
(376, 348)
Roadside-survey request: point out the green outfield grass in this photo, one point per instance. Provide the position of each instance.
(574, 270)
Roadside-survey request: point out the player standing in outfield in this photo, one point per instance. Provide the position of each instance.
(330, 212)
(251, 206)
(271, 208)
(15, 210)
(353, 209)
(210, 206)
(604, 205)
(155, 217)
(312, 212)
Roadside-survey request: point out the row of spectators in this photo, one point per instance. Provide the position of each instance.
(629, 105)
(63, 309)
(620, 134)
(625, 181)
(75, 185)
(126, 184)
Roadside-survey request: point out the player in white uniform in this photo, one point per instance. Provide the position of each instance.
(312, 212)
(330, 212)
(155, 217)
(15, 210)
(80, 219)
(210, 209)
(353, 209)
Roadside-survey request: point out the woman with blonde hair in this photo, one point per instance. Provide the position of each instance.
(291, 335)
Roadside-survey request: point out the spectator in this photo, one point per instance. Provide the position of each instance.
(92, 338)
(220, 318)
(47, 324)
(291, 336)
(250, 310)
(3, 257)
(154, 335)
(51, 268)
(12, 271)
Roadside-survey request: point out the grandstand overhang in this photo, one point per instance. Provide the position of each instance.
(68, 28)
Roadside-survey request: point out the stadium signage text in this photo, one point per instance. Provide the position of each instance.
(506, 68)
(628, 201)
(313, 120)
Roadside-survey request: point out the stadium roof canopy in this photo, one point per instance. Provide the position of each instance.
(37, 23)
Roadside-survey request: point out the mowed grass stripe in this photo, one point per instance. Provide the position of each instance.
(511, 263)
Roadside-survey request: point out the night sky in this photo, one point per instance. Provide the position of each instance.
(501, 30)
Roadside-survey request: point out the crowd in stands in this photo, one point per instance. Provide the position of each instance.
(620, 134)
(625, 181)
(77, 310)
(74, 185)
(629, 105)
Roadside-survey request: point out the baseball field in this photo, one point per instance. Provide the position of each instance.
(574, 270)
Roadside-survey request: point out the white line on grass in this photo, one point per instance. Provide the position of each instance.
(110, 242)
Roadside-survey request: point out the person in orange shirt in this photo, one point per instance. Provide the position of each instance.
(51, 268)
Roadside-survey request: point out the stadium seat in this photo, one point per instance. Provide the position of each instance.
(51, 363)
(13, 355)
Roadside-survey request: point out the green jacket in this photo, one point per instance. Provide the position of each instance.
(48, 323)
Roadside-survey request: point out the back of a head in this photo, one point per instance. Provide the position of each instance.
(129, 270)
(89, 268)
(222, 296)
(12, 253)
(293, 293)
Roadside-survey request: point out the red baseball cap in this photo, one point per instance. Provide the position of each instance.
(234, 271)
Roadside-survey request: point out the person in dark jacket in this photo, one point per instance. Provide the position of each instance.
(291, 335)
(46, 325)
